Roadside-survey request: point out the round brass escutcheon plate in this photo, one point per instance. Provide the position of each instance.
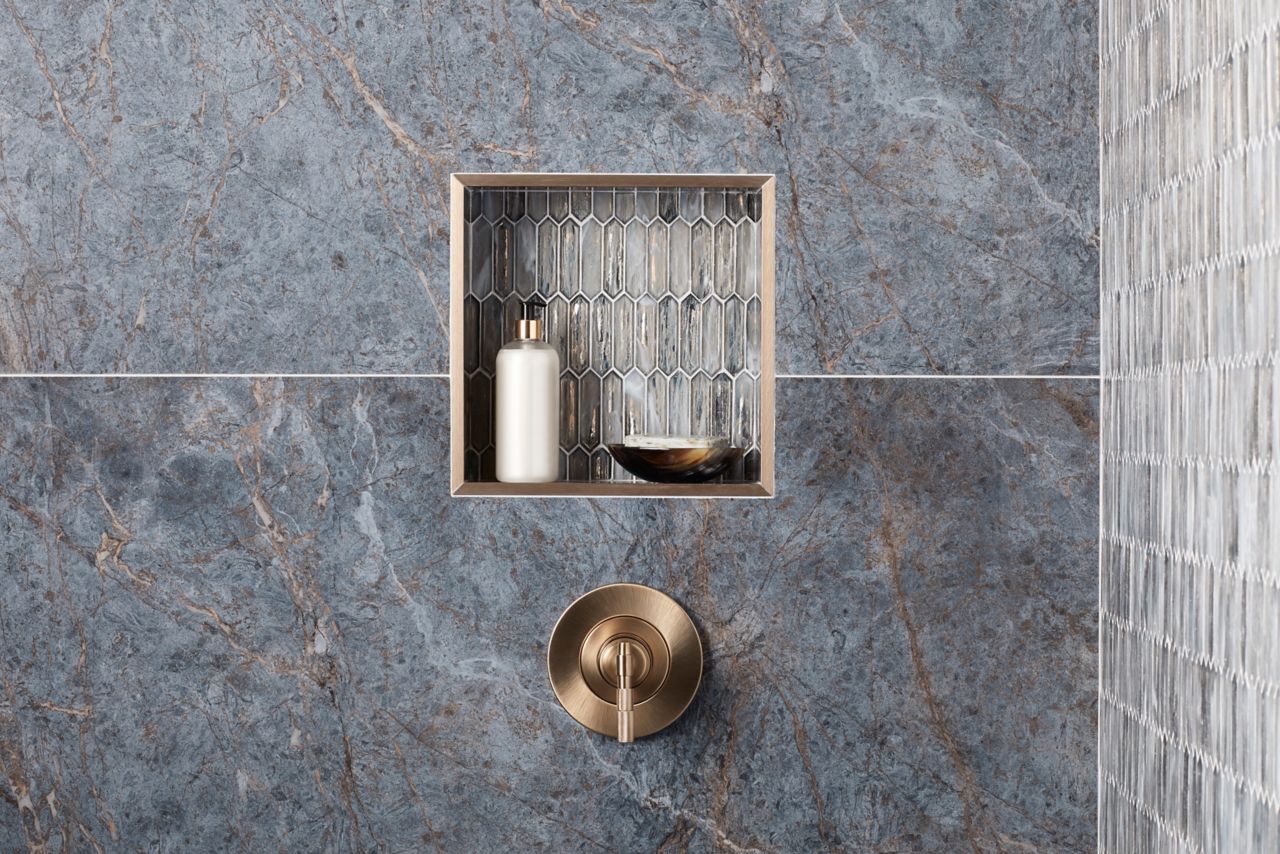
(582, 657)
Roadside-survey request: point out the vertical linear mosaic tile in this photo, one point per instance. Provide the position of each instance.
(652, 303)
(1189, 705)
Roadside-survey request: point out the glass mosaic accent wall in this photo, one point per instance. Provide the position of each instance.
(652, 300)
(1189, 704)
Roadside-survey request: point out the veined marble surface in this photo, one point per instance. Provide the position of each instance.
(240, 187)
(244, 615)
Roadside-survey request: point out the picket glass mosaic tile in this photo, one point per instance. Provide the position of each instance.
(659, 300)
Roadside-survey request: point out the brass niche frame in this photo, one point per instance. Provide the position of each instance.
(459, 183)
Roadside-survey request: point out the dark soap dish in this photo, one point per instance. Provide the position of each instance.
(675, 465)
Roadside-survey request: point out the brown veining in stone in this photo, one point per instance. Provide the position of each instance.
(891, 540)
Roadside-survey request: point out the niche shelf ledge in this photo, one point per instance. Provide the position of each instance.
(660, 302)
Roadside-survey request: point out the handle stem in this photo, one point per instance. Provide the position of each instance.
(626, 692)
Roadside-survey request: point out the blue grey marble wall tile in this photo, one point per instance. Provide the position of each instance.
(245, 615)
(232, 187)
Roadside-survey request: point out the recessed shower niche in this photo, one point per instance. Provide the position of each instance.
(659, 299)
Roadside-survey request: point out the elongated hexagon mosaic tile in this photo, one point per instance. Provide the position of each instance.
(653, 301)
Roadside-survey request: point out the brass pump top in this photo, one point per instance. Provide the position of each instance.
(527, 330)
(529, 327)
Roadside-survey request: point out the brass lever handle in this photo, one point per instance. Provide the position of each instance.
(626, 692)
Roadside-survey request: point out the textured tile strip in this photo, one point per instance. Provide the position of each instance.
(1189, 701)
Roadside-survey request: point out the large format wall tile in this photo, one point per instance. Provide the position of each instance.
(223, 187)
(245, 615)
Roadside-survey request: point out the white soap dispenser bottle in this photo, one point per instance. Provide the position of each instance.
(527, 405)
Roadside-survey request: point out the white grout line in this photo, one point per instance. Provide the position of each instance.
(938, 376)
(1099, 601)
(142, 376)
(153, 376)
